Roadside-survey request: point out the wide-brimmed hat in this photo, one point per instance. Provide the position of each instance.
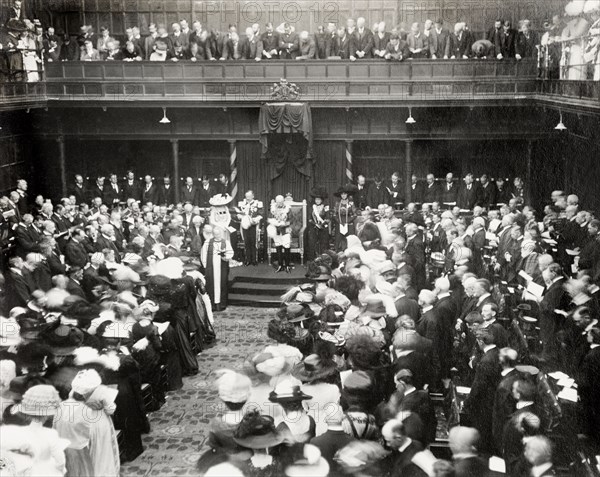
(358, 385)
(16, 25)
(375, 307)
(319, 192)
(387, 267)
(64, 339)
(159, 285)
(40, 400)
(9, 332)
(322, 274)
(232, 386)
(314, 368)
(295, 313)
(86, 381)
(257, 431)
(348, 189)
(311, 464)
(288, 391)
(220, 200)
(171, 268)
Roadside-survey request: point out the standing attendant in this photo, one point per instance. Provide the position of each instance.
(318, 228)
(249, 219)
(280, 231)
(216, 254)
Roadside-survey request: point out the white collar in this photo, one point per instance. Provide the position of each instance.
(410, 390)
(483, 297)
(443, 295)
(594, 345)
(538, 470)
(403, 447)
(522, 404)
(464, 455)
(427, 308)
(506, 371)
(488, 348)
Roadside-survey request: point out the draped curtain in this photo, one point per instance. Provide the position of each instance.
(286, 138)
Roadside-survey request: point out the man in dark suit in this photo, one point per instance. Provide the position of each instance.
(74, 283)
(339, 45)
(333, 439)
(439, 41)
(469, 194)
(206, 192)
(97, 190)
(150, 191)
(504, 402)
(26, 240)
(131, 187)
(79, 190)
(105, 241)
(377, 193)
(270, 43)
(223, 186)
(20, 283)
(527, 41)
(446, 309)
(75, 253)
(403, 448)
(555, 298)
(431, 191)
(251, 46)
(23, 202)
(508, 40)
(288, 43)
(112, 192)
(188, 193)
(488, 192)
(494, 35)
(194, 236)
(416, 249)
(502, 191)
(449, 190)
(481, 398)
(396, 189)
(460, 47)
(361, 196)
(464, 444)
(418, 190)
(588, 380)
(431, 326)
(361, 45)
(166, 192)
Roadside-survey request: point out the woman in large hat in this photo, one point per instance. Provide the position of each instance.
(318, 223)
(344, 213)
(295, 423)
(320, 377)
(258, 434)
(39, 405)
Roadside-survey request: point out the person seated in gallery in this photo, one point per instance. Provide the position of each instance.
(132, 52)
(397, 49)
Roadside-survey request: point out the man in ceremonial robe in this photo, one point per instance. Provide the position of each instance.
(249, 217)
(216, 254)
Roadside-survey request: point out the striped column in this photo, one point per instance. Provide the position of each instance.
(233, 168)
(349, 175)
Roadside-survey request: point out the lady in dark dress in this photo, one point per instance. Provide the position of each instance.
(318, 223)
(344, 214)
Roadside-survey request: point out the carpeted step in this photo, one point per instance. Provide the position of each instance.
(254, 300)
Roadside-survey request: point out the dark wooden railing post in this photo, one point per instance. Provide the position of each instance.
(175, 156)
(408, 169)
(60, 140)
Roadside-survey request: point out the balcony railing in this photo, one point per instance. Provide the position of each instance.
(319, 81)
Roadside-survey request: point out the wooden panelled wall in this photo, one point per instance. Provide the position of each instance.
(16, 149)
(305, 14)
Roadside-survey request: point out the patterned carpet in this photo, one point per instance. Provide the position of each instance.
(180, 428)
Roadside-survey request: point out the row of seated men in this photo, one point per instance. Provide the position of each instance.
(354, 41)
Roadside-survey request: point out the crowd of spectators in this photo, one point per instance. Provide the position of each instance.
(476, 298)
(564, 50)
